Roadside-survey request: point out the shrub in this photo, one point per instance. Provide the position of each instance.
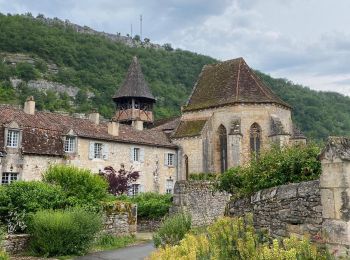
(119, 181)
(234, 238)
(82, 187)
(150, 205)
(172, 230)
(63, 232)
(203, 176)
(20, 198)
(275, 167)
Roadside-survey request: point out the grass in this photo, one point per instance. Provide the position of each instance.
(108, 242)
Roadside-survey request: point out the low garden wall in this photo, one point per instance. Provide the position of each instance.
(284, 210)
(199, 200)
(148, 225)
(15, 244)
(120, 218)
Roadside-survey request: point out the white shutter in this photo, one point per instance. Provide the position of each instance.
(175, 159)
(166, 159)
(105, 151)
(91, 151)
(132, 154)
(142, 155)
(141, 188)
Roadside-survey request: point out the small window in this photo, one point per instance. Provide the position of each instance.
(12, 138)
(169, 186)
(170, 159)
(8, 177)
(69, 144)
(136, 154)
(97, 150)
(134, 189)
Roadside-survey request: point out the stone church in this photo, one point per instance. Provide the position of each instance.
(230, 116)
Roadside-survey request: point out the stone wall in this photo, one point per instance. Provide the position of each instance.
(284, 210)
(198, 199)
(148, 225)
(14, 244)
(120, 219)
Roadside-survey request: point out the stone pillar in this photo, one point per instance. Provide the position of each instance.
(335, 195)
(234, 150)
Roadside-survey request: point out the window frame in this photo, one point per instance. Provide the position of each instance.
(170, 160)
(10, 137)
(70, 144)
(169, 189)
(100, 152)
(10, 178)
(134, 189)
(136, 154)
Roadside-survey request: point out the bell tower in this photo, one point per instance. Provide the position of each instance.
(134, 99)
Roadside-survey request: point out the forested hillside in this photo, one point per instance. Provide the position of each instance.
(92, 67)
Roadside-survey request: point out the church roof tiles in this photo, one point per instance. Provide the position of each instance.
(229, 82)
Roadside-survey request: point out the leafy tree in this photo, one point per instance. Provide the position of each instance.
(119, 181)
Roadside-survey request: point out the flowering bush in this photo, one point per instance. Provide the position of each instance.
(236, 238)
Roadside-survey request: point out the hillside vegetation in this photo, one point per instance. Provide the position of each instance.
(97, 65)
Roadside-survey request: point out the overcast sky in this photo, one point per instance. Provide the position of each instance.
(306, 41)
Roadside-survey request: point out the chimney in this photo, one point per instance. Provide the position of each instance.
(94, 117)
(113, 128)
(29, 106)
(138, 125)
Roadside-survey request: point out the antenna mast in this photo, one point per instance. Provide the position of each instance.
(141, 27)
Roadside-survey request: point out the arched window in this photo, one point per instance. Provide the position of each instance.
(223, 147)
(186, 167)
(255, 140)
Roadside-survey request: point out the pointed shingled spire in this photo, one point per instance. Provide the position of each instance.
(134, 84)
(229, 82)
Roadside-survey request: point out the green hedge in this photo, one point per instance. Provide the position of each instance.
(276, 166)
(150, 205)
(81, 186)
(68, 232)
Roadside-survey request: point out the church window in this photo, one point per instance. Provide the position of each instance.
(69, 144)
(223, 148)
(255, 140)
(12, 138)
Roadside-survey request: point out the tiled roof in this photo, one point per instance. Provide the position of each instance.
(42, 132)
(229, 82)
(189, 128)
(167, 124)
(134, 84)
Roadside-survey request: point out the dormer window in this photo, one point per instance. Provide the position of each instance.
(69, 144)
(12, 138)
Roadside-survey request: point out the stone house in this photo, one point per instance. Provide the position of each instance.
(32, 140)
(230, 116)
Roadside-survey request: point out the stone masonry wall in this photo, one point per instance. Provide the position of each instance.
(198, 199)
(120, 219)
(14, 244)
(284, 210)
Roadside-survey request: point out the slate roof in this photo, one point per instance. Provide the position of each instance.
(42, 132)
(167, 124)
(189, 128)
(134, 84)
(229, 82)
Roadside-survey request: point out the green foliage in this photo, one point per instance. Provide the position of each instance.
(150, 205)
(203, 176)
(235, 238)
(172, 230)
(81, 187)
(26, 71)
(30, 197)
(107, 242)
(3, 254)
(96, 63)
(275, 166)
(68, 232)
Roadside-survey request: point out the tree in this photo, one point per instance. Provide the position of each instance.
(168, 47)
(119, 181)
